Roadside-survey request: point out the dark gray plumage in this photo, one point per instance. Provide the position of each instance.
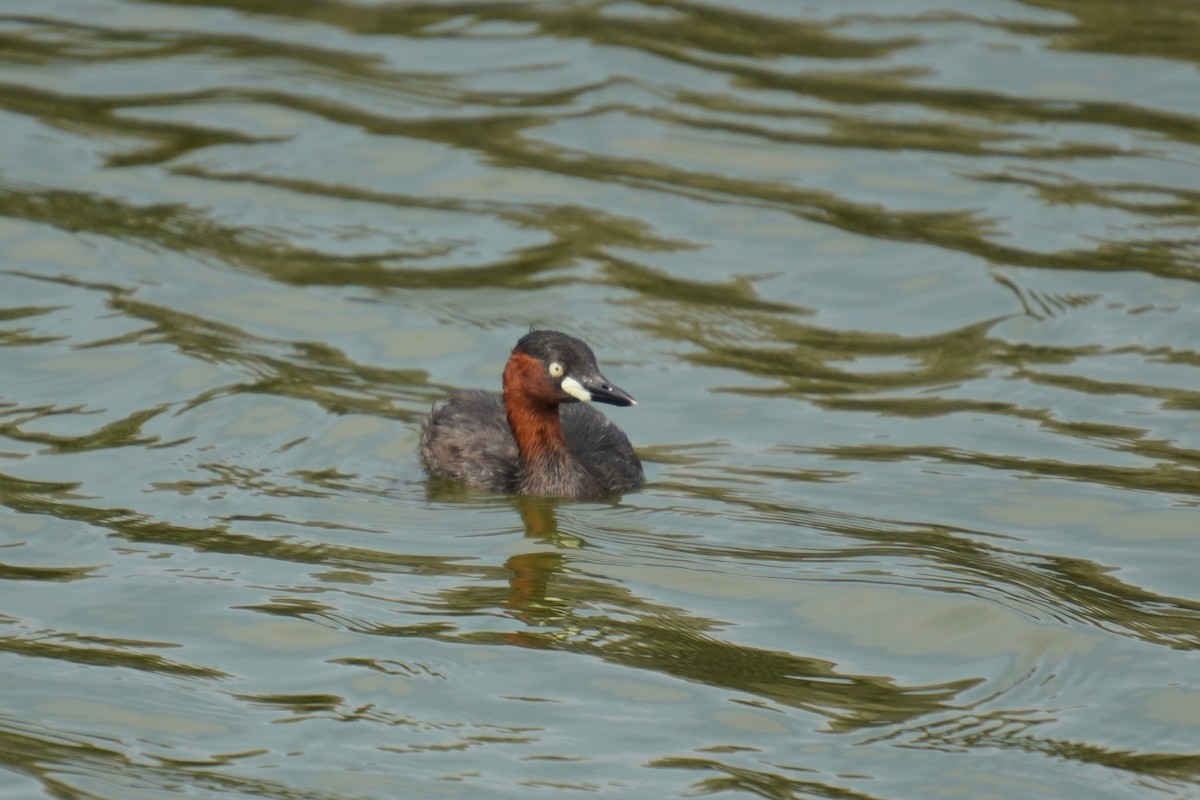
(470, 435)
(571, 449)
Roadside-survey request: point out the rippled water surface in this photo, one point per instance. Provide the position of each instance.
(908, 293)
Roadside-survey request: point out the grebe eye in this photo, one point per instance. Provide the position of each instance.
(556, 369)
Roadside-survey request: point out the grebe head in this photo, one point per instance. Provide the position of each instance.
(556, 368)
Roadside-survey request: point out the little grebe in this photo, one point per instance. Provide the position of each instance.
(523, 442)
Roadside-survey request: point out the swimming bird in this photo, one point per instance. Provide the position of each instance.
(541, 436)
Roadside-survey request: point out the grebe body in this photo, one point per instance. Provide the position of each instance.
(536, 438)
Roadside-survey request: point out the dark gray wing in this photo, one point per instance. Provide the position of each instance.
(468, 439)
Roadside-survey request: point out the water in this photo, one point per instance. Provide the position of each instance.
(907, 294)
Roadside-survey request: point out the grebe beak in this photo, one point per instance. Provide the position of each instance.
(596, 388)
